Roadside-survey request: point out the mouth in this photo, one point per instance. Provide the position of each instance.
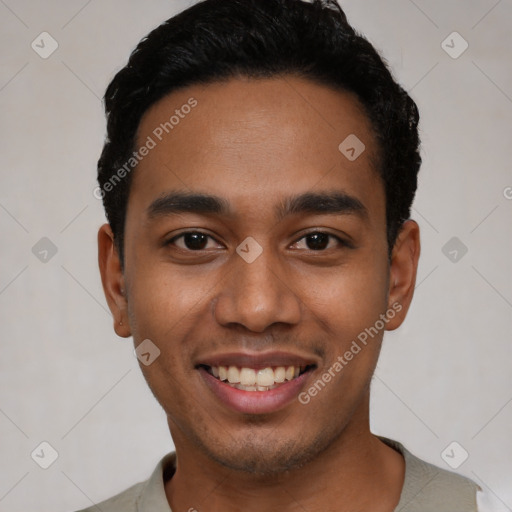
(256, 383)
(256, 379)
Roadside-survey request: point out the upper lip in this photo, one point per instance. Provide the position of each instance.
(257, 359)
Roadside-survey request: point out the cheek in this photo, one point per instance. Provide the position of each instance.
(163, 298)
(349, 306)
(350, 298)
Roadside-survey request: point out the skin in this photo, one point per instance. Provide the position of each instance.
(254, 143)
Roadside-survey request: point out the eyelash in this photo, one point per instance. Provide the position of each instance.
(342, 242)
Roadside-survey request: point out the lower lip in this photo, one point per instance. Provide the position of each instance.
(255, 402)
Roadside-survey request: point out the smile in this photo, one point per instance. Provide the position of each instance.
(256, 379)
(256, 383)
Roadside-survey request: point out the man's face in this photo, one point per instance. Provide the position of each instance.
(321, 279)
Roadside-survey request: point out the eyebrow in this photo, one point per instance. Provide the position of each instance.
(332, 203)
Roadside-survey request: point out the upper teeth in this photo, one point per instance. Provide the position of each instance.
(261, 378)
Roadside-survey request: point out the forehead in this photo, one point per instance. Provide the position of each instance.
(252, 140)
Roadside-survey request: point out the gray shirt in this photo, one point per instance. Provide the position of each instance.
(426, 488)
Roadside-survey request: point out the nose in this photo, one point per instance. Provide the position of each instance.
(257, 295)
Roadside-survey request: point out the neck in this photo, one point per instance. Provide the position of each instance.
(357, 472)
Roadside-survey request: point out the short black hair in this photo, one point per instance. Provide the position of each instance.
(215, 40)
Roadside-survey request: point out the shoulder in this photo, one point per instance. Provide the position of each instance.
(147, 495)
(125, 501)
(428, 488)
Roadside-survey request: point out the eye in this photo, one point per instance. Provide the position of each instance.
(198, 241)
(191, 240)
(319, 241)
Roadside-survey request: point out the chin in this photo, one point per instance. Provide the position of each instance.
(264, 455)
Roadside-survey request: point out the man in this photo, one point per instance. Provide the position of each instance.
(257, 176)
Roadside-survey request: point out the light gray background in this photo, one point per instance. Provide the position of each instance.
(67, 379)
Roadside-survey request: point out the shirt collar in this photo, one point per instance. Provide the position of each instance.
(153, 498)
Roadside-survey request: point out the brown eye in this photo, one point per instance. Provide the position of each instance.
(193, 241)
(319, 241)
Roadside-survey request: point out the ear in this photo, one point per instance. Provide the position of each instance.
(402, 273)
(112, 279)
